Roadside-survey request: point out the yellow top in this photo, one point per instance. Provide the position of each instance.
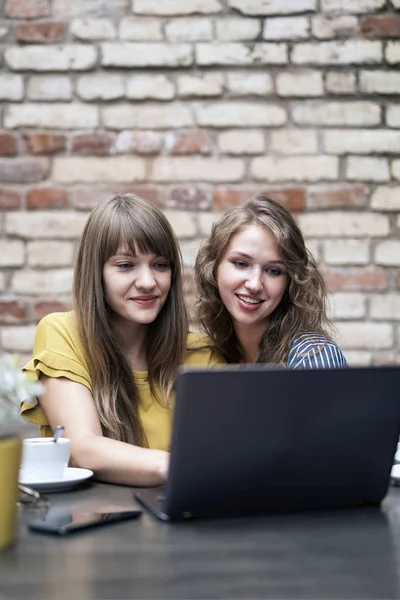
(58, 352)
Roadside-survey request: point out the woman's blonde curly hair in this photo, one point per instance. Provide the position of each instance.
(303, 306)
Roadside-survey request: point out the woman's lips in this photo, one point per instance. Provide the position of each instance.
(144, 300)
(248, 303)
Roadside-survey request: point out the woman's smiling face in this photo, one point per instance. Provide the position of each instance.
(136, 286)
(251, 277)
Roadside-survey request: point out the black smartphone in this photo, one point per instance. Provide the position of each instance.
(70, 521)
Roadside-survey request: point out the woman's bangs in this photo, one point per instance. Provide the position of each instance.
(146, 239)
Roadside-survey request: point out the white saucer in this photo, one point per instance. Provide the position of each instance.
(72, 477)
(395, 473)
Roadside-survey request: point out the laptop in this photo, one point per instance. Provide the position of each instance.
(256, 440)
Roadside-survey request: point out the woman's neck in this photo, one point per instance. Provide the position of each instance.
(249, 339)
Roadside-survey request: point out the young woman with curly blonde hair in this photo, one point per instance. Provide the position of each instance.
(262, 298)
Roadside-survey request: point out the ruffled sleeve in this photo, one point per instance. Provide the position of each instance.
(57, 352)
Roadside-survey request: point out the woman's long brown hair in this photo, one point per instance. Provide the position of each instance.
(303, 306)
(131, 221)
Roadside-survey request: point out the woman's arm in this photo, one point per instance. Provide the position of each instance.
(71, 405)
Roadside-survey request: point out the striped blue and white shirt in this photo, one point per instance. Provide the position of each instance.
(314, 351)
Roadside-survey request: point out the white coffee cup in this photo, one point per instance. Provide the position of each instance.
(43, 459)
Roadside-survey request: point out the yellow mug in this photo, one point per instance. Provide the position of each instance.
(10, 458)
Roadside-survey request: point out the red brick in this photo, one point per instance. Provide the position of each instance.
(225, 197)
(13, 311)
(188, 142)
(46, 197)
(290, 198)
(380, 26)
(47, 31)
(27, 9)
(331, 197)
(45, 307)
(9, 198)
(8, 144)
(190, 196)
(150, 192)
(355, 278)
(92, 143)
(45, 143)
(85, 197)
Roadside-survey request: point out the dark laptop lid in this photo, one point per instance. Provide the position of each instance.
(257, 439)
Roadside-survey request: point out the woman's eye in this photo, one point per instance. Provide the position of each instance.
(273, 272)
(125, 266)
(162, 266)
(240, 264)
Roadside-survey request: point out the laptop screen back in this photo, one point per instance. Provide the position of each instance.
(256, 439)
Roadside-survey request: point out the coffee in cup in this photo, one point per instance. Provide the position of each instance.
(43, 459)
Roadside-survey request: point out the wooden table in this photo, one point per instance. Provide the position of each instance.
(342, 554)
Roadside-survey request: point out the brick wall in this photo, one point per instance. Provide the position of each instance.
(196, 104)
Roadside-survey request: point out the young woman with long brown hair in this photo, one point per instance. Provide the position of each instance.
(261, 296)
(108, 367)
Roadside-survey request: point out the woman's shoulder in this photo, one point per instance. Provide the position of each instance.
(65, 320)
(315, 350)
(55, 329)
(200, 351)
(196, 341)
(57, 335)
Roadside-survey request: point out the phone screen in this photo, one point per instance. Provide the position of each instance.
(70, 521)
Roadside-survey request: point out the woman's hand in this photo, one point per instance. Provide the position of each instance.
(71, 404)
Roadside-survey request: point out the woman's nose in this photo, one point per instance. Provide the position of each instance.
(254, 282)
(145, 278)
